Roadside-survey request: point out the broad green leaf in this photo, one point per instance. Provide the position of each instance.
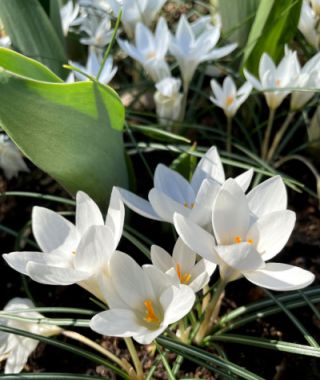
(237, 18)
(71, 131)
(32, 33)
(185, 163)
(26, 67)
(274, 26)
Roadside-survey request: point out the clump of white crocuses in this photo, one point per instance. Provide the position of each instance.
(150, 49)
(71, 253)
(15, 348)
(168, 100)
(11, 161)
(173, 193)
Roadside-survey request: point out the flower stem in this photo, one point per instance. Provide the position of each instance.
(90, 343)
(266, 139)
(135, 358)
(276, 141)
(229, 136)
(211, 313)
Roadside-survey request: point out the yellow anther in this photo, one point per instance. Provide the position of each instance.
(150, 314)
(250, 241)
(184, 278)
(229, 101)
(74, 252)
(186, 205)
(237, 239)
(278, 82)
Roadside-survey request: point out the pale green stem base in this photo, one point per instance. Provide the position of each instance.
(136, 361)
(211, 313)
(266, 139)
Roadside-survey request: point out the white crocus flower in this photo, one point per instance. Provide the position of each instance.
(244, 242)
(274, 77)
(145, 303)
(93, 66)
(308, 24)
(308, 78)
(69, 13)
(182, 265)
(173, 193)
(228, 97)
(11, 160)
(190, 47)
(99, 34)
(18, 348)
(134, 11)
(72, 253)
(150, 50)
(168, 100)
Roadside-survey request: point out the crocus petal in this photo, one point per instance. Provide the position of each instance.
(230, 215)
(52, 275)
(94, 250)
(253, 80)
(161, 258)
(115, 217)
(244, 179)
(210, 166)
(282, 277)
(87, 213)
(172, 184)
(18, 356)
(177, 302)
(132, 284)
(196, 238)
(116, 322)
(166, 206)
(184, 256)
(138, 204)
(241, 256)
(271, 232)
(219, 53)
(49, 228)
(148, 336)
(269, 196)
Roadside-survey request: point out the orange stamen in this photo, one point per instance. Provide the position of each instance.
(237, 239)
(184, 278)
(250, 241)
(278, 82)
(151, 55)
(151, 315)
(229, 100)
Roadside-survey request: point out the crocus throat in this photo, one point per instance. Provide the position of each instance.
(237, 239)
(278, 83)
(187, 205)
(151, 55)
(150, 314)
(74, 252)
(185, 277)
(229, 101)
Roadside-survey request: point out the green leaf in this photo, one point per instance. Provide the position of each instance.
(68, 130)
(32, 33)
(50, 376)
(206, 359)
(271, 344)
(237, 18)
(274, 26)
(185, 163)
(26, 67)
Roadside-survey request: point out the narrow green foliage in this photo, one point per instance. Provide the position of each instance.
(35, 35)
(274, 26)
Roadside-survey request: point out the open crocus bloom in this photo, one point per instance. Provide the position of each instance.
(274, 77)
(182, 265)
(228, 97)
(144, 302)
(308, 24)
(17, 348)
(93, 66)
(243, 241)
(173, 193)
(150, 50)
(72, 253)
(194, 45)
